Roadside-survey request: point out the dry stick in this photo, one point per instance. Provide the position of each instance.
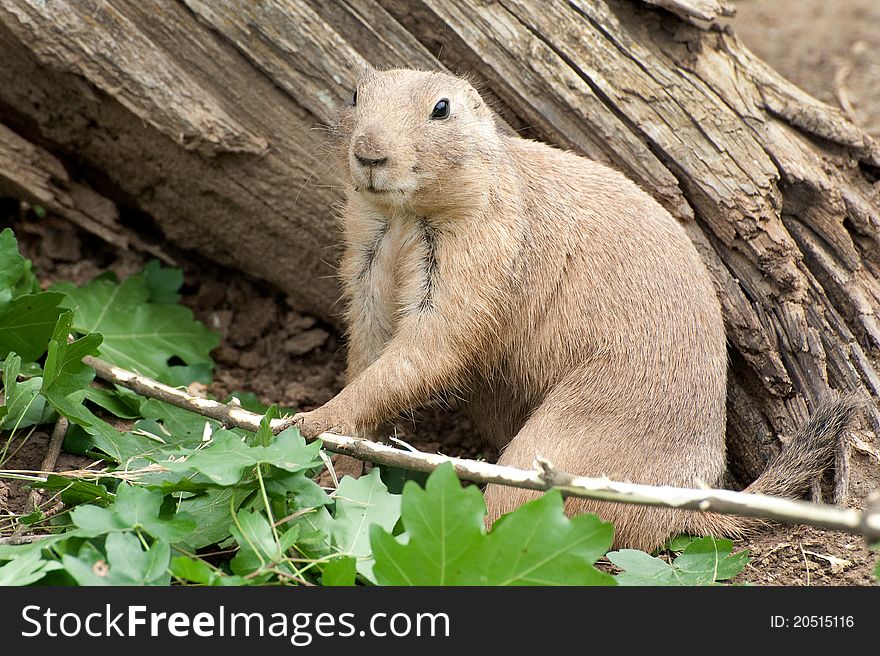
(544, 477)
(14, 540)
(842, 94)
(48, 464)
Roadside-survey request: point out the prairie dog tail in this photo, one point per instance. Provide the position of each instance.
(810, 451)
(804, 459)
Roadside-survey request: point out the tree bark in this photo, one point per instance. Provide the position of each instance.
(200, 117)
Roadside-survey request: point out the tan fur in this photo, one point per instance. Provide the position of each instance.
(565, 305)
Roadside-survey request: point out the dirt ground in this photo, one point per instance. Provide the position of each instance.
(831, 49)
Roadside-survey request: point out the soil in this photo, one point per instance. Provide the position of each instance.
(284, 356)
(829, 49)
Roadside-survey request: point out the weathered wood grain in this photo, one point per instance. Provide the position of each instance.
(32, 174)
(706, 10)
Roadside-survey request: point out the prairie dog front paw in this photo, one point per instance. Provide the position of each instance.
(322, 420)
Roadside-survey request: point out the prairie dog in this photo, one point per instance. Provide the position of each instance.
(559, 300)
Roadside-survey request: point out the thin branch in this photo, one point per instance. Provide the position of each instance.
(842, 93)
(50, 459)
(24, 539)
(543, 477)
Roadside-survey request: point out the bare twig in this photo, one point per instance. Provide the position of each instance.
(23, 539)
(543, 477)
(51, 457)
(806, 562)
(842, 93)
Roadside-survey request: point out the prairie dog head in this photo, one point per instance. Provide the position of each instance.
(416, 140)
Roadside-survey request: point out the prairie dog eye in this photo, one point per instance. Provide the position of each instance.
(441, 110)
(354, 98)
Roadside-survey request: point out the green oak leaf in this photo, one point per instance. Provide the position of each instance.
(95, 520)
(119, 402)
(281, 484)
(214, 515)
(339, 571)
(175, 425)
(445, 543)
(361, 503)
(538, 545)
(305, 492)
(16, 277)
(27, 322)
(26, 407)
(65, 379)
(680, 542)
(163, 283)
(288, 538)
(64, 373)
(264, 433)
(74, 491)
(196, 570)
(135, 509)
(709, 560)
(127, 562)
(641, 568)
(66, 383)
(256, 543)
(23, 404)
(314, 533)
(139, 333)
(396, 478)
(704, 561)
(224, 462)
(444, 524)
(180, 375)
(26, 568)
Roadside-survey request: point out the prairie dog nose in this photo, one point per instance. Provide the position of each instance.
(370, 162)
(368, 153)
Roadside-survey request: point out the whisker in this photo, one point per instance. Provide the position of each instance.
(314, 170)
